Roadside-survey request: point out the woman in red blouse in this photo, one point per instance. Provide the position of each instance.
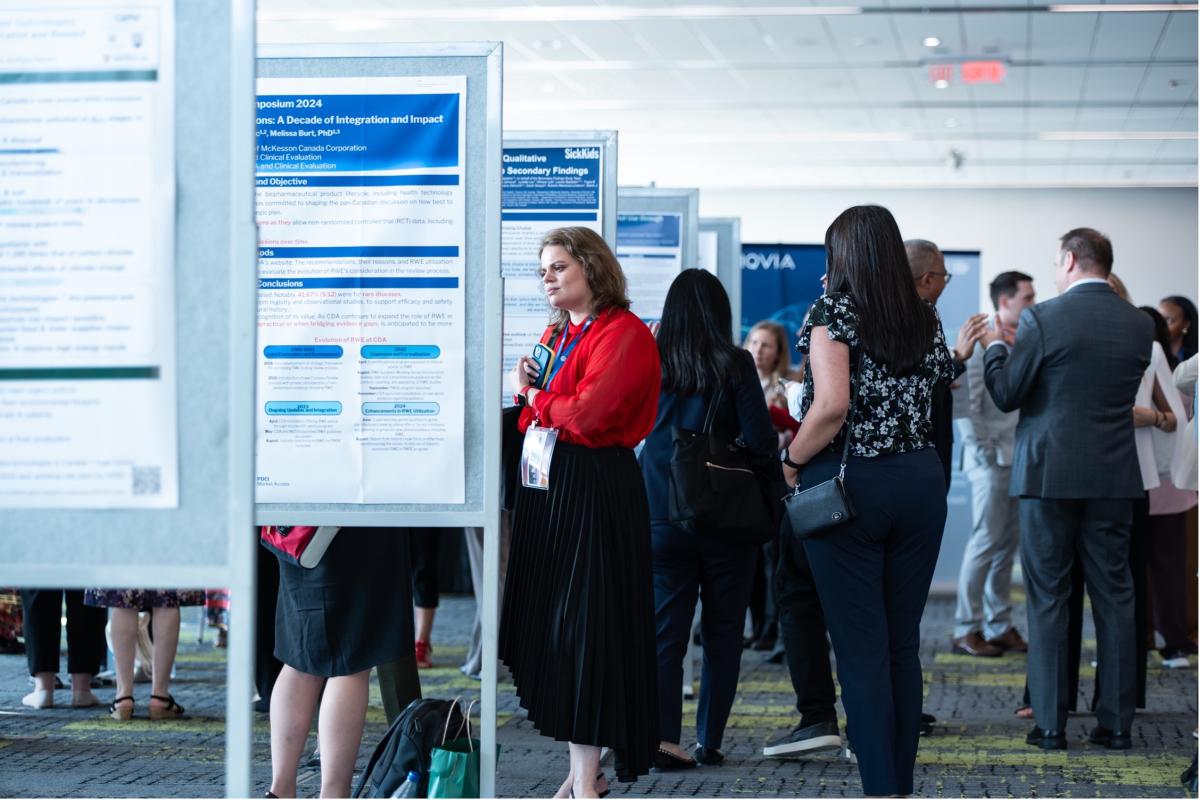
(577, 629)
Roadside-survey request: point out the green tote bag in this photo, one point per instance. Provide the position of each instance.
(454, 764)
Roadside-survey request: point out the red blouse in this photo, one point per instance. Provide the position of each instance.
(606, 395)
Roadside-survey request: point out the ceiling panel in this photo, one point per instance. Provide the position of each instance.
(864, 38)
(997, 35)
(1056, 84)
(1062, 36)
(1128, 35)
(913, 29)
(1169, 83)
(1179, 38)
(1113, 83)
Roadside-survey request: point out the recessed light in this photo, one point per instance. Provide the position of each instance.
(931, 41)
(548, 87)
(547, 44)
(941, 83)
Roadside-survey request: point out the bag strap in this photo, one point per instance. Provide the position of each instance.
(850, 418)
(467, 717)
(455, 703)
(711, 415)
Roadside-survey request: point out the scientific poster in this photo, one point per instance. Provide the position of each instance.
(709, 253)
(650, 248)
(87, 228)
(361, 312)
(544, 188)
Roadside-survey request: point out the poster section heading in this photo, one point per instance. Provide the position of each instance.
(357, 132)
(650, 248)
(361, 302)
(543, 188)
(88, 412)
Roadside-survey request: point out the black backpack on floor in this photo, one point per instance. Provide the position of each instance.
(407, 745)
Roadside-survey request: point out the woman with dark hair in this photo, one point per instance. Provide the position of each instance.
(1180, 316)
(577, 629)
(700, 367)
(872, 338)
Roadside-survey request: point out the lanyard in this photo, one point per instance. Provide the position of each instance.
(566, 351)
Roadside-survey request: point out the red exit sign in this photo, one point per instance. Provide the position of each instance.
(971, 72)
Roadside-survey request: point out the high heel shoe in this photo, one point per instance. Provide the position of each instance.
(119, 712)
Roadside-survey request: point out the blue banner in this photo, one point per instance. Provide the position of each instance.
(648, 230)
(307, 181)
(397, 251)
(551, 178)
(358, 283)
(780, 283)
(352, 132)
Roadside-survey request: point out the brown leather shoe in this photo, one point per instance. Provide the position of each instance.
(973, 644)
(1010, 640)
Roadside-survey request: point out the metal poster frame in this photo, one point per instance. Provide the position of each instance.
(652, 200)
(481, 63)
(206, 540)
(729, 262)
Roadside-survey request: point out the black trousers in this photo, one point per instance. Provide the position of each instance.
(802, 626)
(873, 575)
(687, 565)
(424, 549)
(86, 649)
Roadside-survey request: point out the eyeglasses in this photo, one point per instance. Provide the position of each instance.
(945, 275)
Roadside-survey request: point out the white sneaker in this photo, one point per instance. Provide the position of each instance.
(1178, 662)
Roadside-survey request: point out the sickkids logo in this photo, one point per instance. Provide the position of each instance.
(755, 260)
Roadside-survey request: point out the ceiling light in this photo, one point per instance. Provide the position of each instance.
(350, 24)
(941, 83)
(931, 41)
(1116, 136)
(566, 13)
(547, 44)
(1119, 8)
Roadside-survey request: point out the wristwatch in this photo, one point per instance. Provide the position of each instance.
(521, 398)
(783, 458)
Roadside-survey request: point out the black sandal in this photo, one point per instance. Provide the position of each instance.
(171, 711)
(665, 761)
(121, 714)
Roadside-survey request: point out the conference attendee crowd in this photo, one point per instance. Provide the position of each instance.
(1075, 416)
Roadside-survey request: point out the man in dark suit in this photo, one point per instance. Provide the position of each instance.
(1073, 372)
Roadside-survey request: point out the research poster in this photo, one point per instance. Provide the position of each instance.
(709, 253)
(361, 311)
(543, 188)
(87, 294)
(650, 248)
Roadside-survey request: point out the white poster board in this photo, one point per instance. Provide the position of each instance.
(87, 232)
(361, 213)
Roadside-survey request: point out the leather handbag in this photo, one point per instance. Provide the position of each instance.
(721, 488)
(821, 507)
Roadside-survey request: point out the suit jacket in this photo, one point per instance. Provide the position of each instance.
(985, 429)
(1074, 373)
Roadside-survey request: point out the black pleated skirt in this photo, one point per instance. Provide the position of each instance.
(351, 612)
(577, 630)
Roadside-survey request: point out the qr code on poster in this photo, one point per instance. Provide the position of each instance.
(147, 480)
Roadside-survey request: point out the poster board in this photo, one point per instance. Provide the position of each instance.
(657, 237)
(720, 252)
(552, 179)
(202, 537)
(468, 457)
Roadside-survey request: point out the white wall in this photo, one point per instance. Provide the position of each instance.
(1154, 231)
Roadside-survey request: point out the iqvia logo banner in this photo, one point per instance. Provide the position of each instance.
(767, 259)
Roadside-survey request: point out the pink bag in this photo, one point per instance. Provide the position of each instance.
(303, 545)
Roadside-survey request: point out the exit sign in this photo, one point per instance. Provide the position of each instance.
(971, 72)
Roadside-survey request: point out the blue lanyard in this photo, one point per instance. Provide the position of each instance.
(567, 349)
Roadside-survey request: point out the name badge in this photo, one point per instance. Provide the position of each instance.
(536, 453)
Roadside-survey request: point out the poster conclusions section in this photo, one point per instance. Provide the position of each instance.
(87, 228)
(543, 188)
(361, 311)
(650, 248)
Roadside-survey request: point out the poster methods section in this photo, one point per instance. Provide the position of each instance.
(650, 249)
(87, 220)
(543, 188)
(361, 326)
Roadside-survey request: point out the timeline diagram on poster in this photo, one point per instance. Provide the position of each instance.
(361, 329)
(544, 188)
(88, 415)
(650, 248)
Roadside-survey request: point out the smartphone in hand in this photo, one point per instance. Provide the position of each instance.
(542, 356)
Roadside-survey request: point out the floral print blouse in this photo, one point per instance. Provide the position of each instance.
(892, 413)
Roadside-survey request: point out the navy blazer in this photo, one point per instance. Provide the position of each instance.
(743, 412)
(1074, 373)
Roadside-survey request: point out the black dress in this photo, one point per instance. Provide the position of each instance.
(577, 630)
(351, 612)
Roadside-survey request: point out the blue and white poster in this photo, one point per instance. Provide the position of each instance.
(543, 188)
(650, 249)
(361, 215)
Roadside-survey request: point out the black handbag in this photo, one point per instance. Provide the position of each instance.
(722, 488)
(827, 504)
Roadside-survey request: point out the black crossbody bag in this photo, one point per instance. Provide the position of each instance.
(827, 504)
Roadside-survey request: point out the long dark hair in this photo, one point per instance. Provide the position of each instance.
(1162, 334)
(694, 340)
(866, 259)
(1188, 308)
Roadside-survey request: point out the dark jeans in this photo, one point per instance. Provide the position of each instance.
(802, 627)
(424, 549)
(86, 649)
(873, 575)
(685, 565)
(1167, 556)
